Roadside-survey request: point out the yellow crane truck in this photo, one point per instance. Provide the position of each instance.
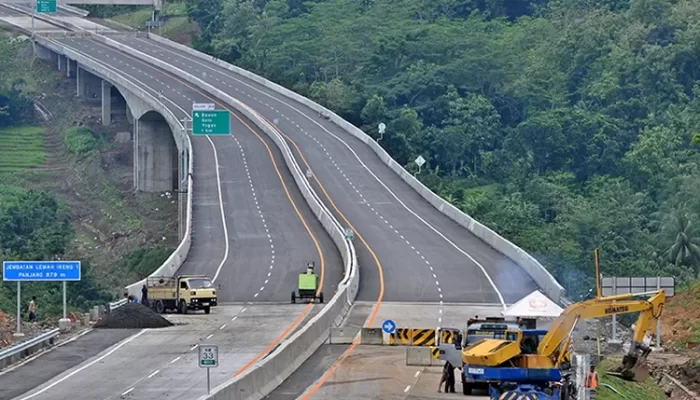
(527, 362)
(181, 293)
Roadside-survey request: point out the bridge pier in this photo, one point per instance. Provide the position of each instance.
(88, 85)
(155, 155)
(60, 60)
(70, 68)
(106, 103)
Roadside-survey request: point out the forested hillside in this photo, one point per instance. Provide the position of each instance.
(66, 191)
(564, 124)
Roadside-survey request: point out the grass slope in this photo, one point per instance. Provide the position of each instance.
(21, 148)
(176, 26)
(647, 390)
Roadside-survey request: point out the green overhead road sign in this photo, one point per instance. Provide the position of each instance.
(46, 6)
(213, 122)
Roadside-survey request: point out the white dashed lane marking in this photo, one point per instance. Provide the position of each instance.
(260, 214)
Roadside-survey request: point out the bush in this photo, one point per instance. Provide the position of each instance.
(143, 261)
(80, 140)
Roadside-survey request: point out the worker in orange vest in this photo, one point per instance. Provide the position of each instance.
(592, 378)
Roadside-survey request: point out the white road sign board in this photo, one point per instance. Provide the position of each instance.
(203, 106)
(208, 356)
(419, 161)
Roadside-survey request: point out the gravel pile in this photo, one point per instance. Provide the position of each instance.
(132, 315)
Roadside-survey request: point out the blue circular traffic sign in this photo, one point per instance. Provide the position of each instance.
(389, 326)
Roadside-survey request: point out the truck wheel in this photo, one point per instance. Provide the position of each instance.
(320, 297)
(159, 307)
(183, 307)
(294, 298)
(207, 310)
(466, 388)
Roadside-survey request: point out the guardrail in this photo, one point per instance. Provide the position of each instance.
(19, 351)
(117, 304)
(538, 273)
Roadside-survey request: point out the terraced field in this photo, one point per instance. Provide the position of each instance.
(21, 148)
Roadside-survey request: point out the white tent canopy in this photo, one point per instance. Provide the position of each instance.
(534, 305)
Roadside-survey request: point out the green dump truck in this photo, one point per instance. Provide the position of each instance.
(308, 285)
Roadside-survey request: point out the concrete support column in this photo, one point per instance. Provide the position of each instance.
(69, 68)
(60, 60)
(156, 156)
(79, 81)
(106, 103)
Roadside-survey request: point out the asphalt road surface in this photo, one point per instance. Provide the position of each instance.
(161, 363)
(424, 255)
(270, 237)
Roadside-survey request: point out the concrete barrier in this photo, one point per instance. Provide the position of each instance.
(175, 260)
(371, 336)
(421, 356)
(74, 10)
(538, 273)
(342, 335)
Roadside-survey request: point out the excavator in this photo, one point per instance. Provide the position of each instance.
(528, 363)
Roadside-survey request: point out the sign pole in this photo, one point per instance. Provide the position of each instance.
(19, 309)
(64, 299)
(208, 358)
(658, 321)
(614, 317)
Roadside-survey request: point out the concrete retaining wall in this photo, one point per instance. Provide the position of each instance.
(538, 273)
(265, 376)
(173, 263)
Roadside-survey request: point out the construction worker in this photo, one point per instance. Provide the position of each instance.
(591, 379)
(32, 309)
(144, 295)
(448, 378)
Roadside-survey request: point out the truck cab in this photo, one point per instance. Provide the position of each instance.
(182, 293)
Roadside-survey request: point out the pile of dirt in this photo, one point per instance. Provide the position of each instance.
(132, 315)
(680, 322)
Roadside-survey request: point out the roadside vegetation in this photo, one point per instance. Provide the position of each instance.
(623, 389)
(66, 190)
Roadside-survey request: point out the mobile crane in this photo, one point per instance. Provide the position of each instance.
(515, 361)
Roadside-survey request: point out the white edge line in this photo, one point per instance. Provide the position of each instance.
(127, 391)
(229, 74)
(91, 363)
(221, 206)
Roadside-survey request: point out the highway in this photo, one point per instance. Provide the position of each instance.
(424, 255)
(252, 232)
(270, 237)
